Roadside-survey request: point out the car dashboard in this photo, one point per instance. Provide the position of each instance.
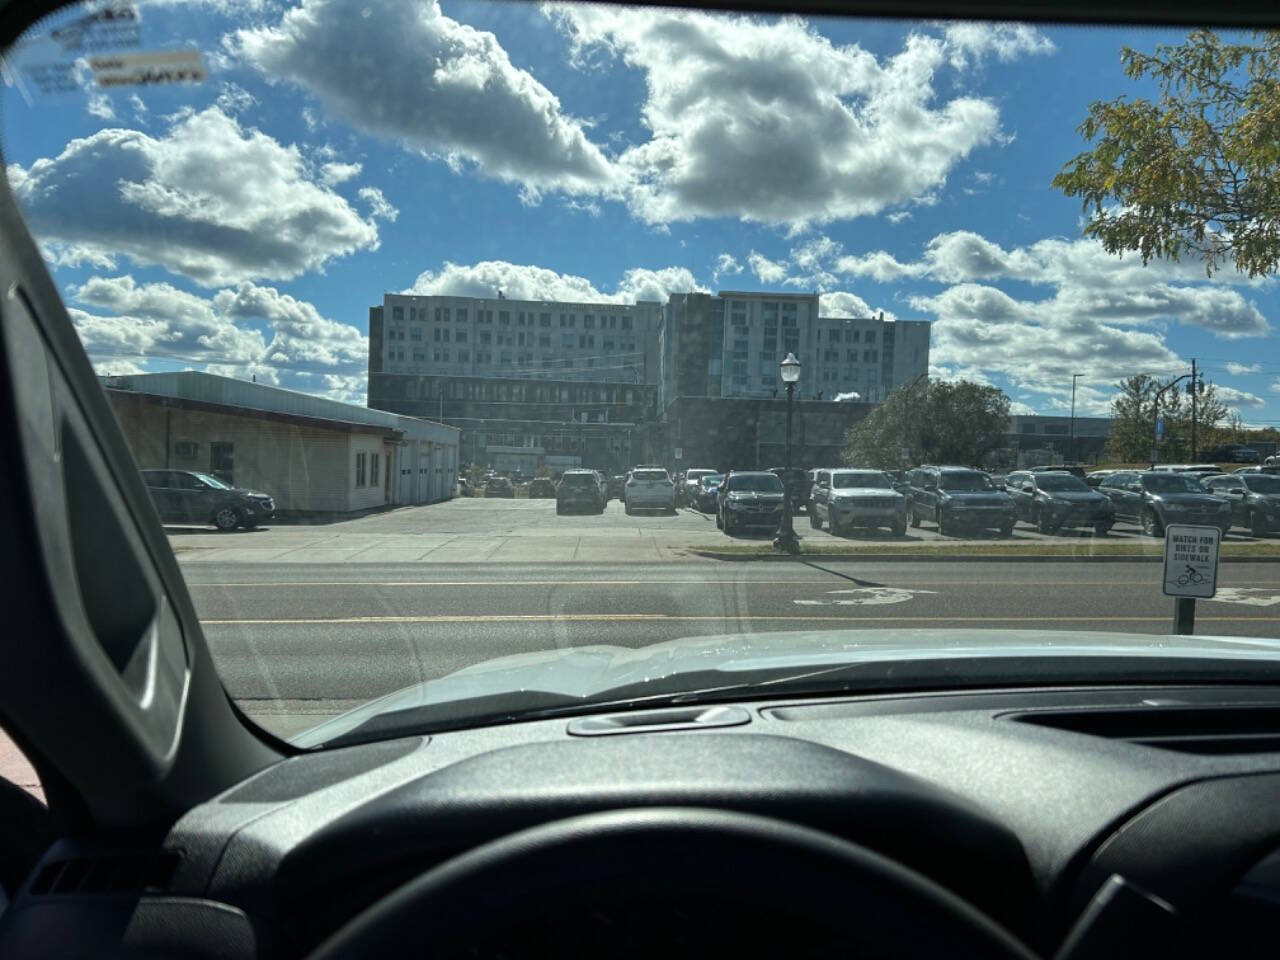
(1021, 802)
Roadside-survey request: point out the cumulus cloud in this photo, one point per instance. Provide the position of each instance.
(1240, 369)
(1238, 398)
(241, 331)
(768, 120)
(210, 199)
(527, 282)
(235, 98)
(766, 270)
(726, 266)
(336, 172)
(99, 105)
(844, 304)
(972, 41)
(407, 72)
(379, 205)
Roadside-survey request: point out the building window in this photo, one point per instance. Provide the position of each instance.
(608, 343)
(871, 336)
(582, 340)
(461, 336)
(566, 339)
(833, 336)
(573, 321)
(504, 318)
(361, 466)
(446, 314)
(435, 356)
(506, 358)
(445, 336)
(437, 314)
(857, 336)
(419, 355)
(445, 356)
(397, 314)
(588, 321)
(544, 319)
(626, 323)
(544, 340)
(373, 469)
(416, 334)
(461, 314)
(520, 319)
(464, 356)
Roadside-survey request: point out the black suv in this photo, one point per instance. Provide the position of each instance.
(1233, 453)
(1157, 498)
(1051, 501)
(1254, 499)
(499, 487)
(580, 490)
(749, 499)
(958, 498)
(541, 488)
(185, 496)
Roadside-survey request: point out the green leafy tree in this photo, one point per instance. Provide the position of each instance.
(1195, 172)
(1133, 414)
(952, 422)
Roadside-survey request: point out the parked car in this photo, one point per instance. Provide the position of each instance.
(1072, 468)
(796, 484)
(749, 498)
(649, 488)
(615, 486)
(1204, 469)
(579, 491)
(1097, 476)
(1233, 453)
(1269, 468)
(465, 487)
(499, 487)
(1254, 499)
(959, 498)
(186, 496)
(1155, 499)
(688, 484)
(541, 488)
(847, 499)
(1052, 501)
(705, 497)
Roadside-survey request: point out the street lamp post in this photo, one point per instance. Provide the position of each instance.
(786, 538)
(906, 417)
(1071, 444)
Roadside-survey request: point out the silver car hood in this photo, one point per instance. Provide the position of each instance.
(866, 492)
(580, 673)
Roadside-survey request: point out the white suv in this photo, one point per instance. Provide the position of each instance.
(649, 488)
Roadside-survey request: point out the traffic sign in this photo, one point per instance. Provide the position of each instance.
(1191, 560)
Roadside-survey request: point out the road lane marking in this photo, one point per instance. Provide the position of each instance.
(865, 597)
(679, 618)
(702, 582)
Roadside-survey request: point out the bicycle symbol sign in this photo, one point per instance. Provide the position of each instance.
(1191, 560)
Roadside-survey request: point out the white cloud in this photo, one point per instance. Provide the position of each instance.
(971, 41)
(843, 304)
(1238, 398)
(407, 72)
(767, 271)
(336, 172)
(235, 98)
(1240, 369)
(139, 108)
(247, 330)
(379, 205)
(210, 199)
(770, 121)
(527, 282)
(898, 216)
(99, 105)
(726, 266)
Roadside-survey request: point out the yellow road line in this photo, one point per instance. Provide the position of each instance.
(677, 618)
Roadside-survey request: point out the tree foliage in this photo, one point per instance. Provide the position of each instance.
(1196, 172)
(1133, 414)
(954, 422)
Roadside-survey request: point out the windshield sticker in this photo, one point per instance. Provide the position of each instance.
(111, 28)
(148, 69)
(865, 597)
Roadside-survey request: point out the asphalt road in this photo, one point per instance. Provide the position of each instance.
(295, 643)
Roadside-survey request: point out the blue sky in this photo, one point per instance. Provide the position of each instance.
(341, 149)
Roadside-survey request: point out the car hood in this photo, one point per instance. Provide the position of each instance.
(578, 674)
(1075, 496)
(258, 494)
(1188, 499)
(988, 496)
(753, 495)
(866, 492)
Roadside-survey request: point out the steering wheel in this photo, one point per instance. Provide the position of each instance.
(667, 882)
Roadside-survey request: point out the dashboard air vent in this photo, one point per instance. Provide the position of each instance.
(1216, 729)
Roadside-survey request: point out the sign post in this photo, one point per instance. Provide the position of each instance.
(1190, 570)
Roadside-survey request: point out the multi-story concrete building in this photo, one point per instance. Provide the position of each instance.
(523, 339)
(729, 345)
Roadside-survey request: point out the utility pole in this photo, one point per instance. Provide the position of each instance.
(1194, 385)
(1071, 444)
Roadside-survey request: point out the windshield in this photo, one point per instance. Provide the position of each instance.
(361, 257)
(860, 478)
(213, 481)
(1260, 483)
(965, 482)
(754, 482)
(1055, 483)
(1171, 483)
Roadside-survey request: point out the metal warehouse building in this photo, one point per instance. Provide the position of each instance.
(311, 454)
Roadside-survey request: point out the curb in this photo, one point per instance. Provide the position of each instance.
(955, 557)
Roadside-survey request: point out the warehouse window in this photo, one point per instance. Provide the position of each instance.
(361, 459)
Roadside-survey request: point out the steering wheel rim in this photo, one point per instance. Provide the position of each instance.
(871, 906)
